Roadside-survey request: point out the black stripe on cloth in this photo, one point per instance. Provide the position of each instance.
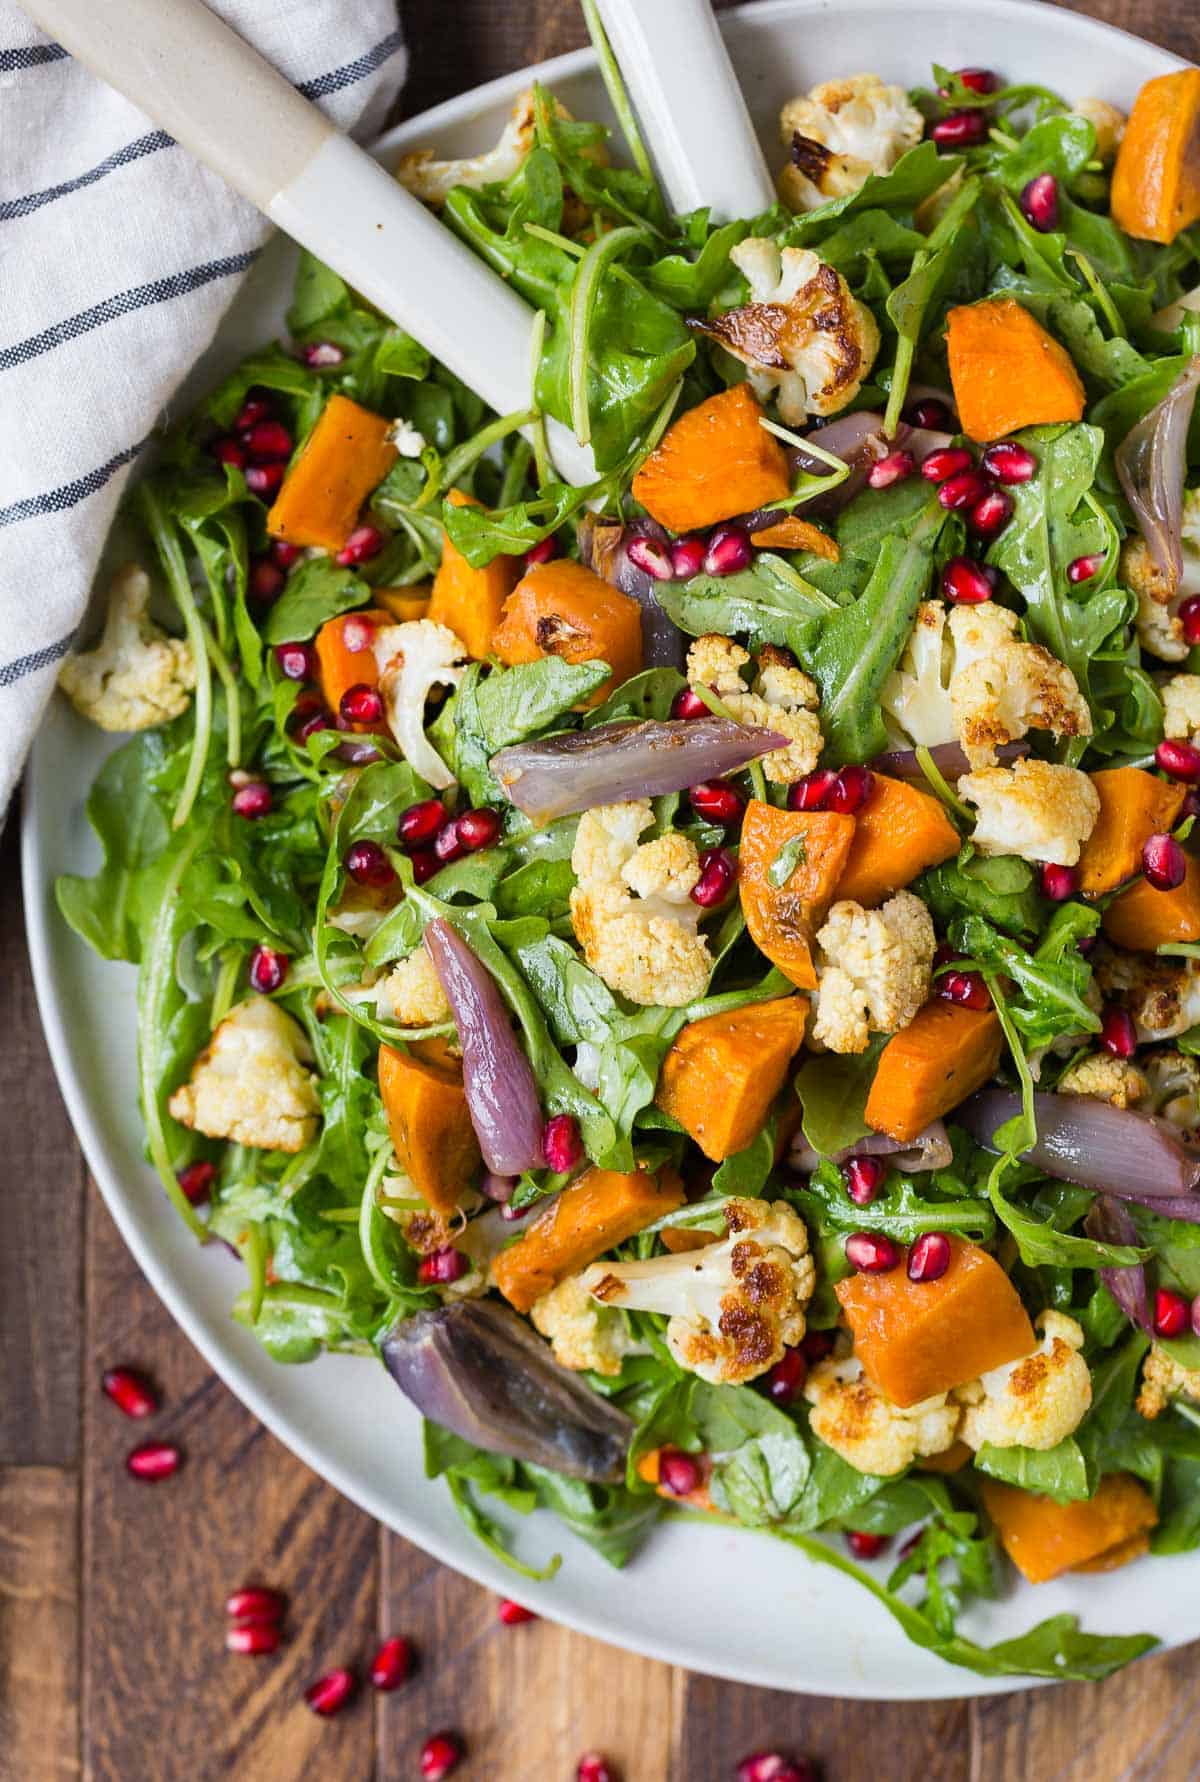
(43, 658)
(132, 151)
(337, 78)
(31, 56)
(159, 290)
(56, 501)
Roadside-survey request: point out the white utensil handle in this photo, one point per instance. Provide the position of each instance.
(689, 105)
(186, 69)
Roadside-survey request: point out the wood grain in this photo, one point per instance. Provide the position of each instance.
(39, 1623)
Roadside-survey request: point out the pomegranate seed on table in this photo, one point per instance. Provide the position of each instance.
(1008, 462)
(442, 1267)
(1189, 618)
(367, 864)
(866, 1546)
(964, 490)
(687, 557)
(651, 557)
(363, 543)
(592, 1767)
(358, 634)
(718, 870)
(965, 582)
(851, 788)
(544, 551)
(871, 1253)
(1163, 862)
(421, 822)
(425, 864)
(1172, 1313)
(978, 80)
(512, 1614)
(773, 1766)
(929, 1257)
(679, 1473)
(787, 1377)
(268, 969)
(256, 1602)
(391, 1664)
(265, 580)
(154, 1460)
(229, 451)
(687, 704)
(361, 704)
(1058, 882)
(894, 468)
(447, 844)
(961, 129)
(1039, 203)
(1118, 1034)
(1082, 569)
(562, 1143)
(252, 411)
(296, 661)
(1180, 759)
(864, 1178)
(930, 414)
(817, 1344)
(253, 1639)
(196, 1180)
(439, 1755)
(716, 802)
(267, 440)
(330, 1693)
(812, 792)
(264, 479)
(729, 550)
(323, 353)
(130, 1391)
(947, 462)
(479, 828)
(966, 988)
(252, 801)
(991, 513)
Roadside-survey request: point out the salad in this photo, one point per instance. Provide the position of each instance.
(698, 974)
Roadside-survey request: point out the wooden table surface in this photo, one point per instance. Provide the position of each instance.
(111, 1655)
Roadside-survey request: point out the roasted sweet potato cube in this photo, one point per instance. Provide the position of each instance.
(898, 832)
(723, 1072)
(1044, 1538)
(1134, 805)
(601, 1209)
(471, 601)
(931, 1066)
(427, 1118)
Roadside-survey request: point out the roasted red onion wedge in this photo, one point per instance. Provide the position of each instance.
(604, 547)
(582, 768)
(1108, 1222)
(477, 1369)
(948, 758)
(502, 1096)
(1151, 461)
(930, 1149)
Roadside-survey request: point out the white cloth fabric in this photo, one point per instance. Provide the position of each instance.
(119, 255)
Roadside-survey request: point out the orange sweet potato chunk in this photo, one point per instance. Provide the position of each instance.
(723, 1072)
(562, 609)
(345, 456)
(900, 831)
(1044, 1538)
(916, 1338)
(402, 604)
(790, 533)
(1133, 806)
(601, 1209)
(783, 919)
(716, 461)
(1007, 372)
(471, 601)
(952, 1460)
(430, 1127)
(339, 667)
(1143, 919)
(1156, 181)
(930, 1066)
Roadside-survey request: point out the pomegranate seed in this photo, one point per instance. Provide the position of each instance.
(512, 1614)
(511, 1213)
(439, 1755)
(929, 1257)
(424, 864)
(562, 1143)
(850, 790)
(1196, 1316)
(1164, 862)
(267, 440)
(253, 1639)
(544, 551)
(594, 1768)
(358, 634)
(965, 582)
(1008, 462)
(966, 490)
(265, 580)
(252, 411)
(367, 864)
(196, 1180)
(652, 558)
(817, 1345)
(1180, 759)
(1172, 1313)
(991, 514)
(361, 704)
(679, 1473)
(442, 1267)
(447, 844)
(1058, 882)
(330, 1693)
(479, 828)
(930, 414)
(310, 726)
(687, 704)
(718, 870)
(255, 1602)
(864, 1178)
(421, 822)
(871, 1253)
(812, 792)
(296, 661)
(264, 480)
(716, 802)
(252, 801)
(1082, 569)
(966, 988)
(130, 1391)
(154, 1460)
(268, 969)
(1189, 618)
(391, 1664)
(687, 557)
(978, 80)
(1118, 1034)
(945, 954)
(787, 1377)
(363, 543)
(323, 353)
(229, 451)
(728, 551)
(947, 462)
(1039, 203)
(895, 468)
(771, 1766)
(866, 1546)
(962, 129)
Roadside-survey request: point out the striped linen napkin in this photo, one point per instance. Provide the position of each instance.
(119, 255)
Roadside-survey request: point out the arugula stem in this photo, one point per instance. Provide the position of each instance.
(1108, 308)
(537, 431)
(175, 569)
(471, 450)
(227, 977)
(233, 702)
(941, 785)
(719, 709)
(584, 291)
(619, 97)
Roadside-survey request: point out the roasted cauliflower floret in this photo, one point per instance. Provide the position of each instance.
(413, 658)
(1036, 1401)
(136, 676)
(250, 1083)
(734, 1306)
(876, 970)
(1171, 1089)
(631, 910)
(433, 180)
(916, 695)
(412, 994)
(783, 699)
(582, 1332)
(1106, 121)
(1181, 707)
(803, 337)
(1163, 1379)
(1036, 809)
(1157, 620)
(1162, 995)
(840, 133)
(1001, 687)
(1109, 1079)
(867, 1430)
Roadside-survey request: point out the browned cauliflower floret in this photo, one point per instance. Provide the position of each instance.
(1106, 1078)
(840, 133)
(1181, 707)
(433, 180)
(1035, 1401)
(1001, 688)
(250, 1083)
(1158, 623)
(411, 994)
(871, 1434)
(733, 1306)
(1036, 809)
(1162, 995)
(136, 676)
(1163, 1379)
(582, 1332)
(413, 658)
(631, 909)
(876, 970)
(783, 699)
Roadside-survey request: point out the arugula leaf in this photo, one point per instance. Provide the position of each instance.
(317, 590)
(1040, 1243)
(1001, 887)
(1059, 1472)
(124, 808)
(901, 1212)
(916, 176)
(1050, 984)
(833, 1091)
(761, 604)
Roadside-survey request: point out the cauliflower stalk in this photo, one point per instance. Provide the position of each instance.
(840, 133)
(1036, 1401)
(876, 971)
(803, 337)
(250, 1083)
(136, 676)
(413, 658)
(631, 908)
(867, 1430)
(583, 1333)
(734, 1306)
(1158, 624)
(1036, 809)
(783, 699)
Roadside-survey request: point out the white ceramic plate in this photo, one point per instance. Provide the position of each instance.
(725, 1602)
